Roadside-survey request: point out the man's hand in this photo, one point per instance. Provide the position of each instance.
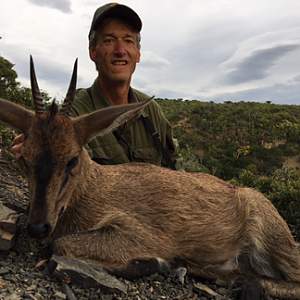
(16, 149)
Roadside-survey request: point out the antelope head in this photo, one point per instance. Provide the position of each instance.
(52, 151)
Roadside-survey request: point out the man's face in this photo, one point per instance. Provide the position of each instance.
(116, 53)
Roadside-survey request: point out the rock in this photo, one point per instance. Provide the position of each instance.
(8, 219)
(69, 293)
(9, 227)
(60, 295)
(4, 271)
(7, 240)
(5, 163)
(205, 290)
(87, 275)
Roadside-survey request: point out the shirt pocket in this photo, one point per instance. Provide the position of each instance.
(106, 151)
(148, 154)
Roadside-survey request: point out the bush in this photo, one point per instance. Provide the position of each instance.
(6, 137)
(282, 188)
(287, 202)
(246, 179)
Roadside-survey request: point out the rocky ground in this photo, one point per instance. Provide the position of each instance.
(24, 275)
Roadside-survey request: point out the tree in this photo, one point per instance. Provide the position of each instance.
(10, 88)
(8, 78)
(22, 96)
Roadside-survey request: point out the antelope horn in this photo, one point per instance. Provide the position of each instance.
(67, 105)
(36, 94)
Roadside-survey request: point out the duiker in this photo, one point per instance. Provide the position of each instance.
(117, 216)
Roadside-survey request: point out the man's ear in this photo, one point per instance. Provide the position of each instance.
(138, 58)
(93, 53)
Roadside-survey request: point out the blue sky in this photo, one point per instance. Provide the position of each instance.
(217, 50)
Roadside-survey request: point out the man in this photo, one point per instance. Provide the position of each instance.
(114, 46)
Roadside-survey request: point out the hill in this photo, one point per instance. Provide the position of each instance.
(225, 138)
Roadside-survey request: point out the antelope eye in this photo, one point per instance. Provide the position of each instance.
(72, 163)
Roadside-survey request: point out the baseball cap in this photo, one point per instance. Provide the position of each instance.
(120, 11)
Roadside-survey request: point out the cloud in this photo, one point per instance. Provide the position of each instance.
(297, 78)
(51, 71)
(277, 93)
(256, 56)
(209, 50)
(153, 60)
(257, 65)
(62, 5)
(52, 75)
(150, 72)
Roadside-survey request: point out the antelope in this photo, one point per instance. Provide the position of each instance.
(135, 218)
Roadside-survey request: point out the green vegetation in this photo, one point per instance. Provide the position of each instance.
(282, 187)
(227, 138)
(246, 143)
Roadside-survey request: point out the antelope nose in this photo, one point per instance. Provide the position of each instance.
(38, 231)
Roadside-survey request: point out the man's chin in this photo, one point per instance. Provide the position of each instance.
(121, 78)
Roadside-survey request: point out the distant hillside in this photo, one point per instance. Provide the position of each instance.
(225, 138)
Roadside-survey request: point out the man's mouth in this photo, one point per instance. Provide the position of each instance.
(120, 63)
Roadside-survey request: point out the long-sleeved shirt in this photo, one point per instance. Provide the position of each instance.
(135, 142)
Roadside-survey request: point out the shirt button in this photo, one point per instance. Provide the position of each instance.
(150, 154)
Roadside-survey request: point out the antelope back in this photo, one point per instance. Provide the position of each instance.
(53, 149)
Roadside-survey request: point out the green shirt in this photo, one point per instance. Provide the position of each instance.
(139, 145)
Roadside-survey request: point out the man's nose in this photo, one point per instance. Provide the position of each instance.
(120, 47)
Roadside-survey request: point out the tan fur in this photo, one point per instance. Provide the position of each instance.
(116, 214)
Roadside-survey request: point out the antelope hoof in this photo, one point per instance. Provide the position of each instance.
(163, 267)
(140, 268)
(252, 290)
(179, 274)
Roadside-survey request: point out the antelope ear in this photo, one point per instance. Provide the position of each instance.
(105, 120)
(15, 115)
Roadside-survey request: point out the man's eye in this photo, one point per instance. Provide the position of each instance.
(107, 41)
(129, 41)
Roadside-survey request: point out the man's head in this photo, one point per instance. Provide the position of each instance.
(115, 11)
(114, 41)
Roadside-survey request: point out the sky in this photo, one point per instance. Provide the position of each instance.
(207, 50)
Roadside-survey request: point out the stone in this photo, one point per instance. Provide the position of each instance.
(7, 240)
(69, 293)
(205, 290)
(9, 227)
(60, 295)
(87, 275)
(8, 219)
(4, 271)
